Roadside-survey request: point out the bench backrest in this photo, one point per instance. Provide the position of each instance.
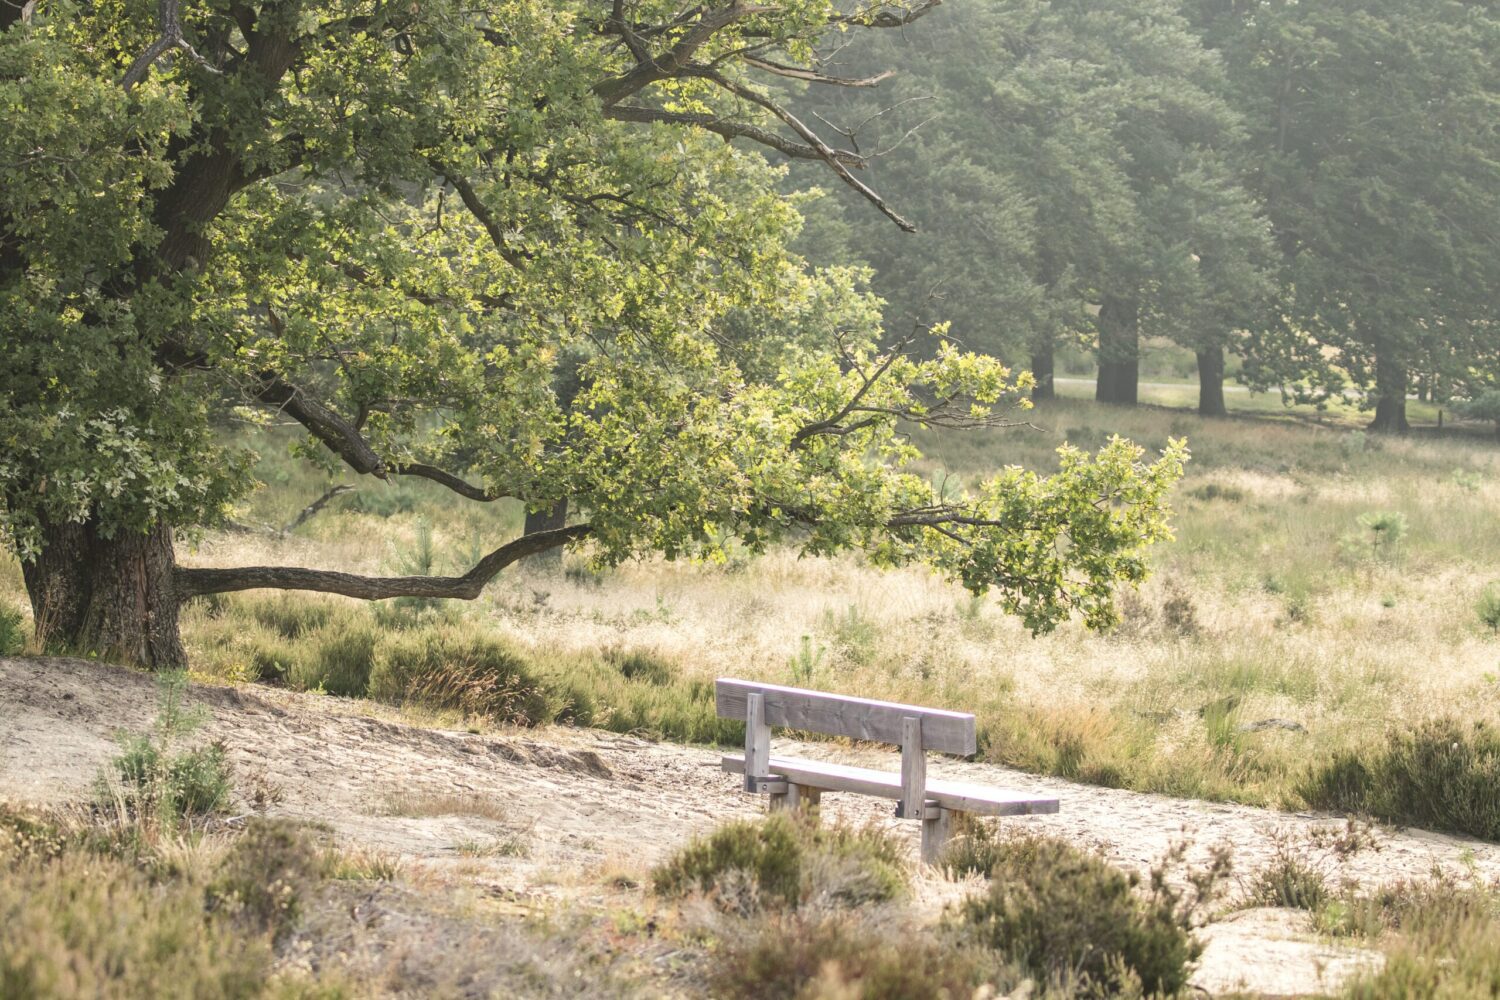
(842, 715)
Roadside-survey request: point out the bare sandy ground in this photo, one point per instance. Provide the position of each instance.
(584, 801)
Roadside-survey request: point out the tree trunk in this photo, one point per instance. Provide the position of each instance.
(111, 597)
(1390, 396)
(1211, 383)
(1119, 352)
(547, 520)
(1042, 366)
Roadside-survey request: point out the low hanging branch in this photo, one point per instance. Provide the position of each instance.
(197, 582)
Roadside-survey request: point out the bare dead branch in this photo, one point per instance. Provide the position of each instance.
(813, 76)
(731, 129)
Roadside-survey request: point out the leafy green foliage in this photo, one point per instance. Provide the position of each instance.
(407, 232)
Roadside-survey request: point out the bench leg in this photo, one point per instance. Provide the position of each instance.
(797, 798)
(936, 825)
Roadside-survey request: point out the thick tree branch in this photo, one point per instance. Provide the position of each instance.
(196, 582)
(671, 62)
(169, 19)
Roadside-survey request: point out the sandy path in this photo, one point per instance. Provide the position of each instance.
(582, 799)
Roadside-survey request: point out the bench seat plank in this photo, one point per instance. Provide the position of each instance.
(956, 795)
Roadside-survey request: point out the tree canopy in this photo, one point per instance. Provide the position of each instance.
(399, 226)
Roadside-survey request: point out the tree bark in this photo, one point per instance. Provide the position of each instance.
(1043, 367)
(547, 520)
(1119, 352)
(1390, 396)
(1211, 383)
(112, 597)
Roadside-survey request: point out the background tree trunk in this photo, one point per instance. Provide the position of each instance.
(1042, 366)
(1211, 383)
(1390, 396)
(547, 520)
(113, 597)
(1119, 352)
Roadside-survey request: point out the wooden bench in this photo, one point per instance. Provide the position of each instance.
(797, 784)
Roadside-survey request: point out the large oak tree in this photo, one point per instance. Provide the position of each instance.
(403, 226)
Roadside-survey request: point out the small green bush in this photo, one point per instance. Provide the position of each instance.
(1488, 606)
(160, 782)
(12, 631)
(1291, 882)
(1067, 915)
(1443, 776)
(782, 861)
(185, 784)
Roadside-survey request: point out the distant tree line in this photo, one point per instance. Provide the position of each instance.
(1311, 188)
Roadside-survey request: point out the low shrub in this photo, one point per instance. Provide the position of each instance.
(182, 784)
(783, 862)
(156, 780)
(1068, 916)
(643, 666)
(825, 955)
(463, 670)
(264, 875)
(1291, 882)
(1443, 775)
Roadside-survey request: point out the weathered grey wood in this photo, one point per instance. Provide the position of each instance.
(936, 826)
(757, 739)
(913, 768)
(803, 798)
(954, 795)
(842, 715)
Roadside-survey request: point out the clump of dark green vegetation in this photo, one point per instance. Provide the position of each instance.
(785, 861)
(155, 778)
(1443, 775)
(1073, 920)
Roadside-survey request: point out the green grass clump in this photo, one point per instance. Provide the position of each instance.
(784, 862)
(1068, 916)
(1444, 776)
